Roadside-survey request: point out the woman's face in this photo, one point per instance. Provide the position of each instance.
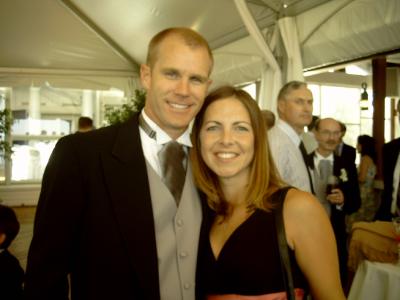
(227, 139)
(358, 147)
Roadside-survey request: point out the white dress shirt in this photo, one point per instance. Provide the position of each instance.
(284, 143)
(152, 146)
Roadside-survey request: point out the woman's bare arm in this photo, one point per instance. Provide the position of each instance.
(310, 235)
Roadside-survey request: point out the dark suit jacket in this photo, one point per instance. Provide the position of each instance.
(351, 192)
(94, 220)
(390, 153)
(348, 154)
(352, 201)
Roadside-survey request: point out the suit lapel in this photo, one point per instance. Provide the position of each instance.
(126, 178)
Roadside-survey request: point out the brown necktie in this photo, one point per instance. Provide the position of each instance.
(173, 172)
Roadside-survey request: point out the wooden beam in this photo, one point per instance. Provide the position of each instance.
(379, 94)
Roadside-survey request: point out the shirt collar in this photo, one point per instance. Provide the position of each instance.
(292, 134)
(162, 137)
(319, 157)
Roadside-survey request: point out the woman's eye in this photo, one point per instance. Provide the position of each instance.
(242, 128)
(211, 128)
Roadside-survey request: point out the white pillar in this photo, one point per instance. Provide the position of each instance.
(88, 100)
(34, 111)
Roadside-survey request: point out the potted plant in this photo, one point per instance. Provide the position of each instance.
(5, 127)
(134, 104)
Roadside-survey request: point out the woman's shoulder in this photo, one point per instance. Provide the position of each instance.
(367, 160)
(302, 207)
(298, 200)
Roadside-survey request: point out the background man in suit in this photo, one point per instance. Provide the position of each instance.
(85, 124)
(295, 105)
(345, 151)
(390, 204)
(11, 273)
(345, 198)
(105, 216)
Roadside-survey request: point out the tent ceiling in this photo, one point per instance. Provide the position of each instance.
(111, 36)
(44, 34)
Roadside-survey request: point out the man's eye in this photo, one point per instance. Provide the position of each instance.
(171, 75)
(197, 80)
(299, 101)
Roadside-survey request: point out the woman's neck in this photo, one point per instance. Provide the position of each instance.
(235, 193)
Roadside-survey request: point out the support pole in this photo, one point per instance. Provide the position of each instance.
(379, 91)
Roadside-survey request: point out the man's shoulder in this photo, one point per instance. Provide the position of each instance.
(392, 144)
(279, 133)
(348, 147)
(98, 139)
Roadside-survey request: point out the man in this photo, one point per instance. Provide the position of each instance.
(105, 216)
(295, 104)
(347, 152)
(390, 204)
(269, 118)
(344, 198)
(85, 124)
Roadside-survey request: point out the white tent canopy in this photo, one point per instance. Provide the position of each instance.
(100, 43)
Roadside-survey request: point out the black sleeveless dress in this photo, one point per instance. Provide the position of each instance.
(249, 262)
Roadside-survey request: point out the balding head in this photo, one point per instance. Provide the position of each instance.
(327, 134)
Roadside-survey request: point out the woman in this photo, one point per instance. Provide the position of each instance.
(366, 177)
(233, 167)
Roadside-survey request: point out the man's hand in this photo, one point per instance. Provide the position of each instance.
(336, 197)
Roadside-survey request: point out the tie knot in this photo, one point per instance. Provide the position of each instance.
(174, 149)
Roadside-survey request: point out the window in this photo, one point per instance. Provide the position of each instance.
(41, 117)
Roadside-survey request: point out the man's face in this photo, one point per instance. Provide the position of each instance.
(328, 135)
(176, 84)
(297, 108)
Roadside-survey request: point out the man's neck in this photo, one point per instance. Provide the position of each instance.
(298, 130)
(324, 153)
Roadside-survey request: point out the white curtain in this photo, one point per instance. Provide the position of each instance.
(271, 75)
(294, 66)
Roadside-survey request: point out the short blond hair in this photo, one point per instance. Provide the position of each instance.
(190, 37)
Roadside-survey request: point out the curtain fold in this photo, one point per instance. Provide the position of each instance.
(271, 75)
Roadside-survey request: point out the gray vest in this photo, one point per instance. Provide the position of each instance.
(177, 236)
(320, 192)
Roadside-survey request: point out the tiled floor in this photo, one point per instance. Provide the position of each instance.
(20, 245)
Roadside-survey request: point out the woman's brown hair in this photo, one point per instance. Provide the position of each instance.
(264, 178)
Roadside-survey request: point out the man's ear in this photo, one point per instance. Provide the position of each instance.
(145, 76)
(2, 238)
(281, 106)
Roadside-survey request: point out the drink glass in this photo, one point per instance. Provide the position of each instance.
(396, 226)
(332, 183)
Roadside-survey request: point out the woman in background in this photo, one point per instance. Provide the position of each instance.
(232, 165)
(366, 177)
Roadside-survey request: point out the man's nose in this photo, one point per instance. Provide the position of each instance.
(182, 87)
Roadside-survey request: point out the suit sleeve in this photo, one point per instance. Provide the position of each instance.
(56, 224)
(351, 190)
(389, 160)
